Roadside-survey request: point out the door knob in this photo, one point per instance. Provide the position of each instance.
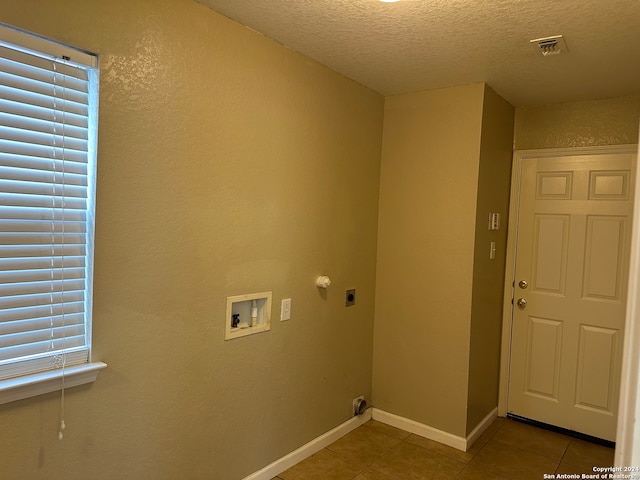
(523, 284)
(522, 302)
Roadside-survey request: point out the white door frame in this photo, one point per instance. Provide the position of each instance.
(507, 312)
(628, 440)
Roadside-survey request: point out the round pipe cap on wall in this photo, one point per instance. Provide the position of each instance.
(359, 406)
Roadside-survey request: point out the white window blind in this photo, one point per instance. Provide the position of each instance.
(48, 118)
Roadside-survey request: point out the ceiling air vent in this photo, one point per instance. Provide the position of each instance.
(549, 45)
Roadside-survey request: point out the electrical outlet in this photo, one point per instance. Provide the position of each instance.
(285, 309)
(350, 297)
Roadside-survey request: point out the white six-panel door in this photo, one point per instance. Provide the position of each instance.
(572, 255)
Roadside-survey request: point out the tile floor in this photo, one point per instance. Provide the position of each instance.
(507, 450)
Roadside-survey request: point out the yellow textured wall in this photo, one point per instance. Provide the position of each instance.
(228, 164)
(494, 183)
(611, 121)
(428, 191)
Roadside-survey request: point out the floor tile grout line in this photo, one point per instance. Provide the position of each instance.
(533, 451)
(482, 447)
(487, 442)
(382, 455)
(448, 457)
(371, 464)
(494, 474)
(563, 455)
(490, 439)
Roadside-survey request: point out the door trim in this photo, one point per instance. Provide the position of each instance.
(512, 232)
(628, 433)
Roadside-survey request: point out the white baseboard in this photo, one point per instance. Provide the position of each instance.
(481, 427)
(317, 444)
(305, 451)
(421, 429)
(446, 438)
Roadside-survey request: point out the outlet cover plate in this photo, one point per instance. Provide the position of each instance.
(350, 297)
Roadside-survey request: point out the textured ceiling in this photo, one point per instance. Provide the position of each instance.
(415, 45)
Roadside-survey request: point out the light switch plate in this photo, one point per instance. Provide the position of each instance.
(285, 309)
(494, 221)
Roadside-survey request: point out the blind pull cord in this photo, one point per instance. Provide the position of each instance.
(63, 357)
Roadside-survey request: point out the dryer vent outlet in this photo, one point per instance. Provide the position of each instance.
(359, 406)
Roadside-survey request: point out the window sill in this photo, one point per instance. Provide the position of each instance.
(13, 389)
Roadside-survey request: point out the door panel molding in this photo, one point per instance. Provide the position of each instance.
(605, 234)
(550, 232)
(597, 354)
(543, 382)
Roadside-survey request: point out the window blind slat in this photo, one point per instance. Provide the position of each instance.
(15, 315)
(35, 66)
(38, 347)
(51, 85)
(41, 251)
(50, 126)
(42, 131)
(34, 263)
(41, 275)
(48, 139)
(18, 301)
(49, 333)
(40, 188)
(40, 214)
(19, 109)
(41, 323)
(33, 239)
(43, 227)
(39, 163)
(57, 105)
(15, 174)
(35, 218)
(33, 150)
(23, 202)
(33, 288)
